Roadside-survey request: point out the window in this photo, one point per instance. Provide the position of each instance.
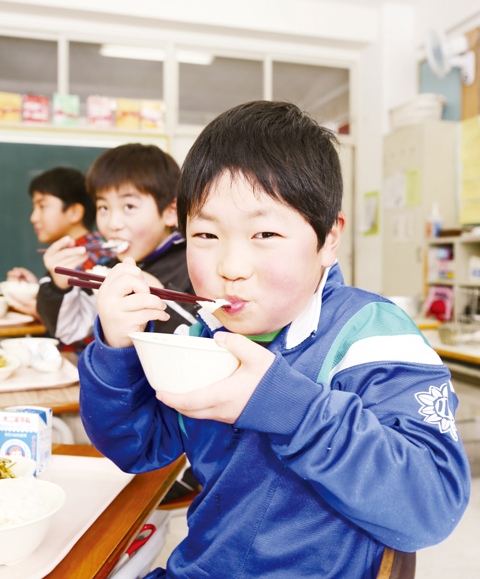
(321, 91)
(206, 91)
(94, 74)
(28, 65)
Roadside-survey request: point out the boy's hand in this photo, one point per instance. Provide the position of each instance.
(225, 400)
(125, 304)
(63, 253)
(21, 274)
(24, 305)
(19, 303)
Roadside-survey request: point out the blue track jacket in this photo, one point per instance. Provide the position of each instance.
(348, 444)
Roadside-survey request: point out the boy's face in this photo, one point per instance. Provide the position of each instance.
(259, 254)
(131, 216)
(49, 219)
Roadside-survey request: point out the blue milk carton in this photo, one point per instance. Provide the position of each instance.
(27, 431)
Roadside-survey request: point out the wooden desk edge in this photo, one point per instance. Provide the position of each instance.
(19, 330)
(96, 553)
(457, 356)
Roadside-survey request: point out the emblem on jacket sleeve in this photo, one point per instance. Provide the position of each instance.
(435, 408)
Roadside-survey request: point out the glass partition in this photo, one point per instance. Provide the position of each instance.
(28, 66)
(207, 90)
(321, 91)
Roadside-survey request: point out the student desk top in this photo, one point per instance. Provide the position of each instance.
(34, 328)
(98, 550)
(466, 353)
(60, 399)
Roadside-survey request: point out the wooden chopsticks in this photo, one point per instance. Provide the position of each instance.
(94, 281)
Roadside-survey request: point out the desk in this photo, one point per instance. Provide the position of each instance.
(98, 550)
(18, 331)
(61, 400)
(469, 353)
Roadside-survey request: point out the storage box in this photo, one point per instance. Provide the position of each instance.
(100, 111)
(128, 114)
(27, 431)
(35, 109)
(152, 115)
(66, 109)
(10, 107)
(424, 107)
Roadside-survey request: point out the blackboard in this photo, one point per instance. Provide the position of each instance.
(19, 164)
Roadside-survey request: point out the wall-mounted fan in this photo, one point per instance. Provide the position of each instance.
(443, 54)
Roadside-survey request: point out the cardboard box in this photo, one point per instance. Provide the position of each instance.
(66, 109)
(35, 109)
(100, 111)
(152, 115)
(10, 107)
(128, 114)
(27, 431)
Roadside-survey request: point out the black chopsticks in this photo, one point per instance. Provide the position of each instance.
(94, 281)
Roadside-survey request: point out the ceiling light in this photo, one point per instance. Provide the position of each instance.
(158, 54)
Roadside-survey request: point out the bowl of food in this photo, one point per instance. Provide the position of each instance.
(16, 466)
(178, 363)
(39, 353)
(8, 364)
(3, 306)
(27, 508)
(22, 290)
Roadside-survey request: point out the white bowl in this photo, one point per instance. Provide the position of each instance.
(20, 465)
(8, 364)
(182, 363)
(21, 289)
(3, 306)
(27, 507)
(32, 351)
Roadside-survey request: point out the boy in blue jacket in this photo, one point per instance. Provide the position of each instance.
(336, 435)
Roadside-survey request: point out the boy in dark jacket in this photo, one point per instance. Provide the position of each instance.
(134, 187)
(61, 207)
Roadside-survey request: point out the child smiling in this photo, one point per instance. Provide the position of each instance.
(336, 435)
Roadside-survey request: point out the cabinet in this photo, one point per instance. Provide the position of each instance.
(455, 262)
(419, 170)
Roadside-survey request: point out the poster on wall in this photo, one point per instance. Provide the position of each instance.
(470, 172)
(370, 213)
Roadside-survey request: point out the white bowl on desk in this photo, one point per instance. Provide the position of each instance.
(3, 306)
(19, 465)
(39, 353)
(26, 516)
(21, 289)
(8, 364)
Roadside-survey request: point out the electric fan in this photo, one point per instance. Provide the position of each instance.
(443, 54)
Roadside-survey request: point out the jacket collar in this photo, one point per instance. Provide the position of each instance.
(303, 326)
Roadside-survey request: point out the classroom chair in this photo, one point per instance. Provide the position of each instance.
(397, 565)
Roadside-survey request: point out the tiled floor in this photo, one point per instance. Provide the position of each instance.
(458, 557)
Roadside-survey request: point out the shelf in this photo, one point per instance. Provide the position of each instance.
(459, 257)
(449, 282)
(80, 135)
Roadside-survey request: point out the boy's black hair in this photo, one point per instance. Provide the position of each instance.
(68, 185)
(279, 149)
(146, 167)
